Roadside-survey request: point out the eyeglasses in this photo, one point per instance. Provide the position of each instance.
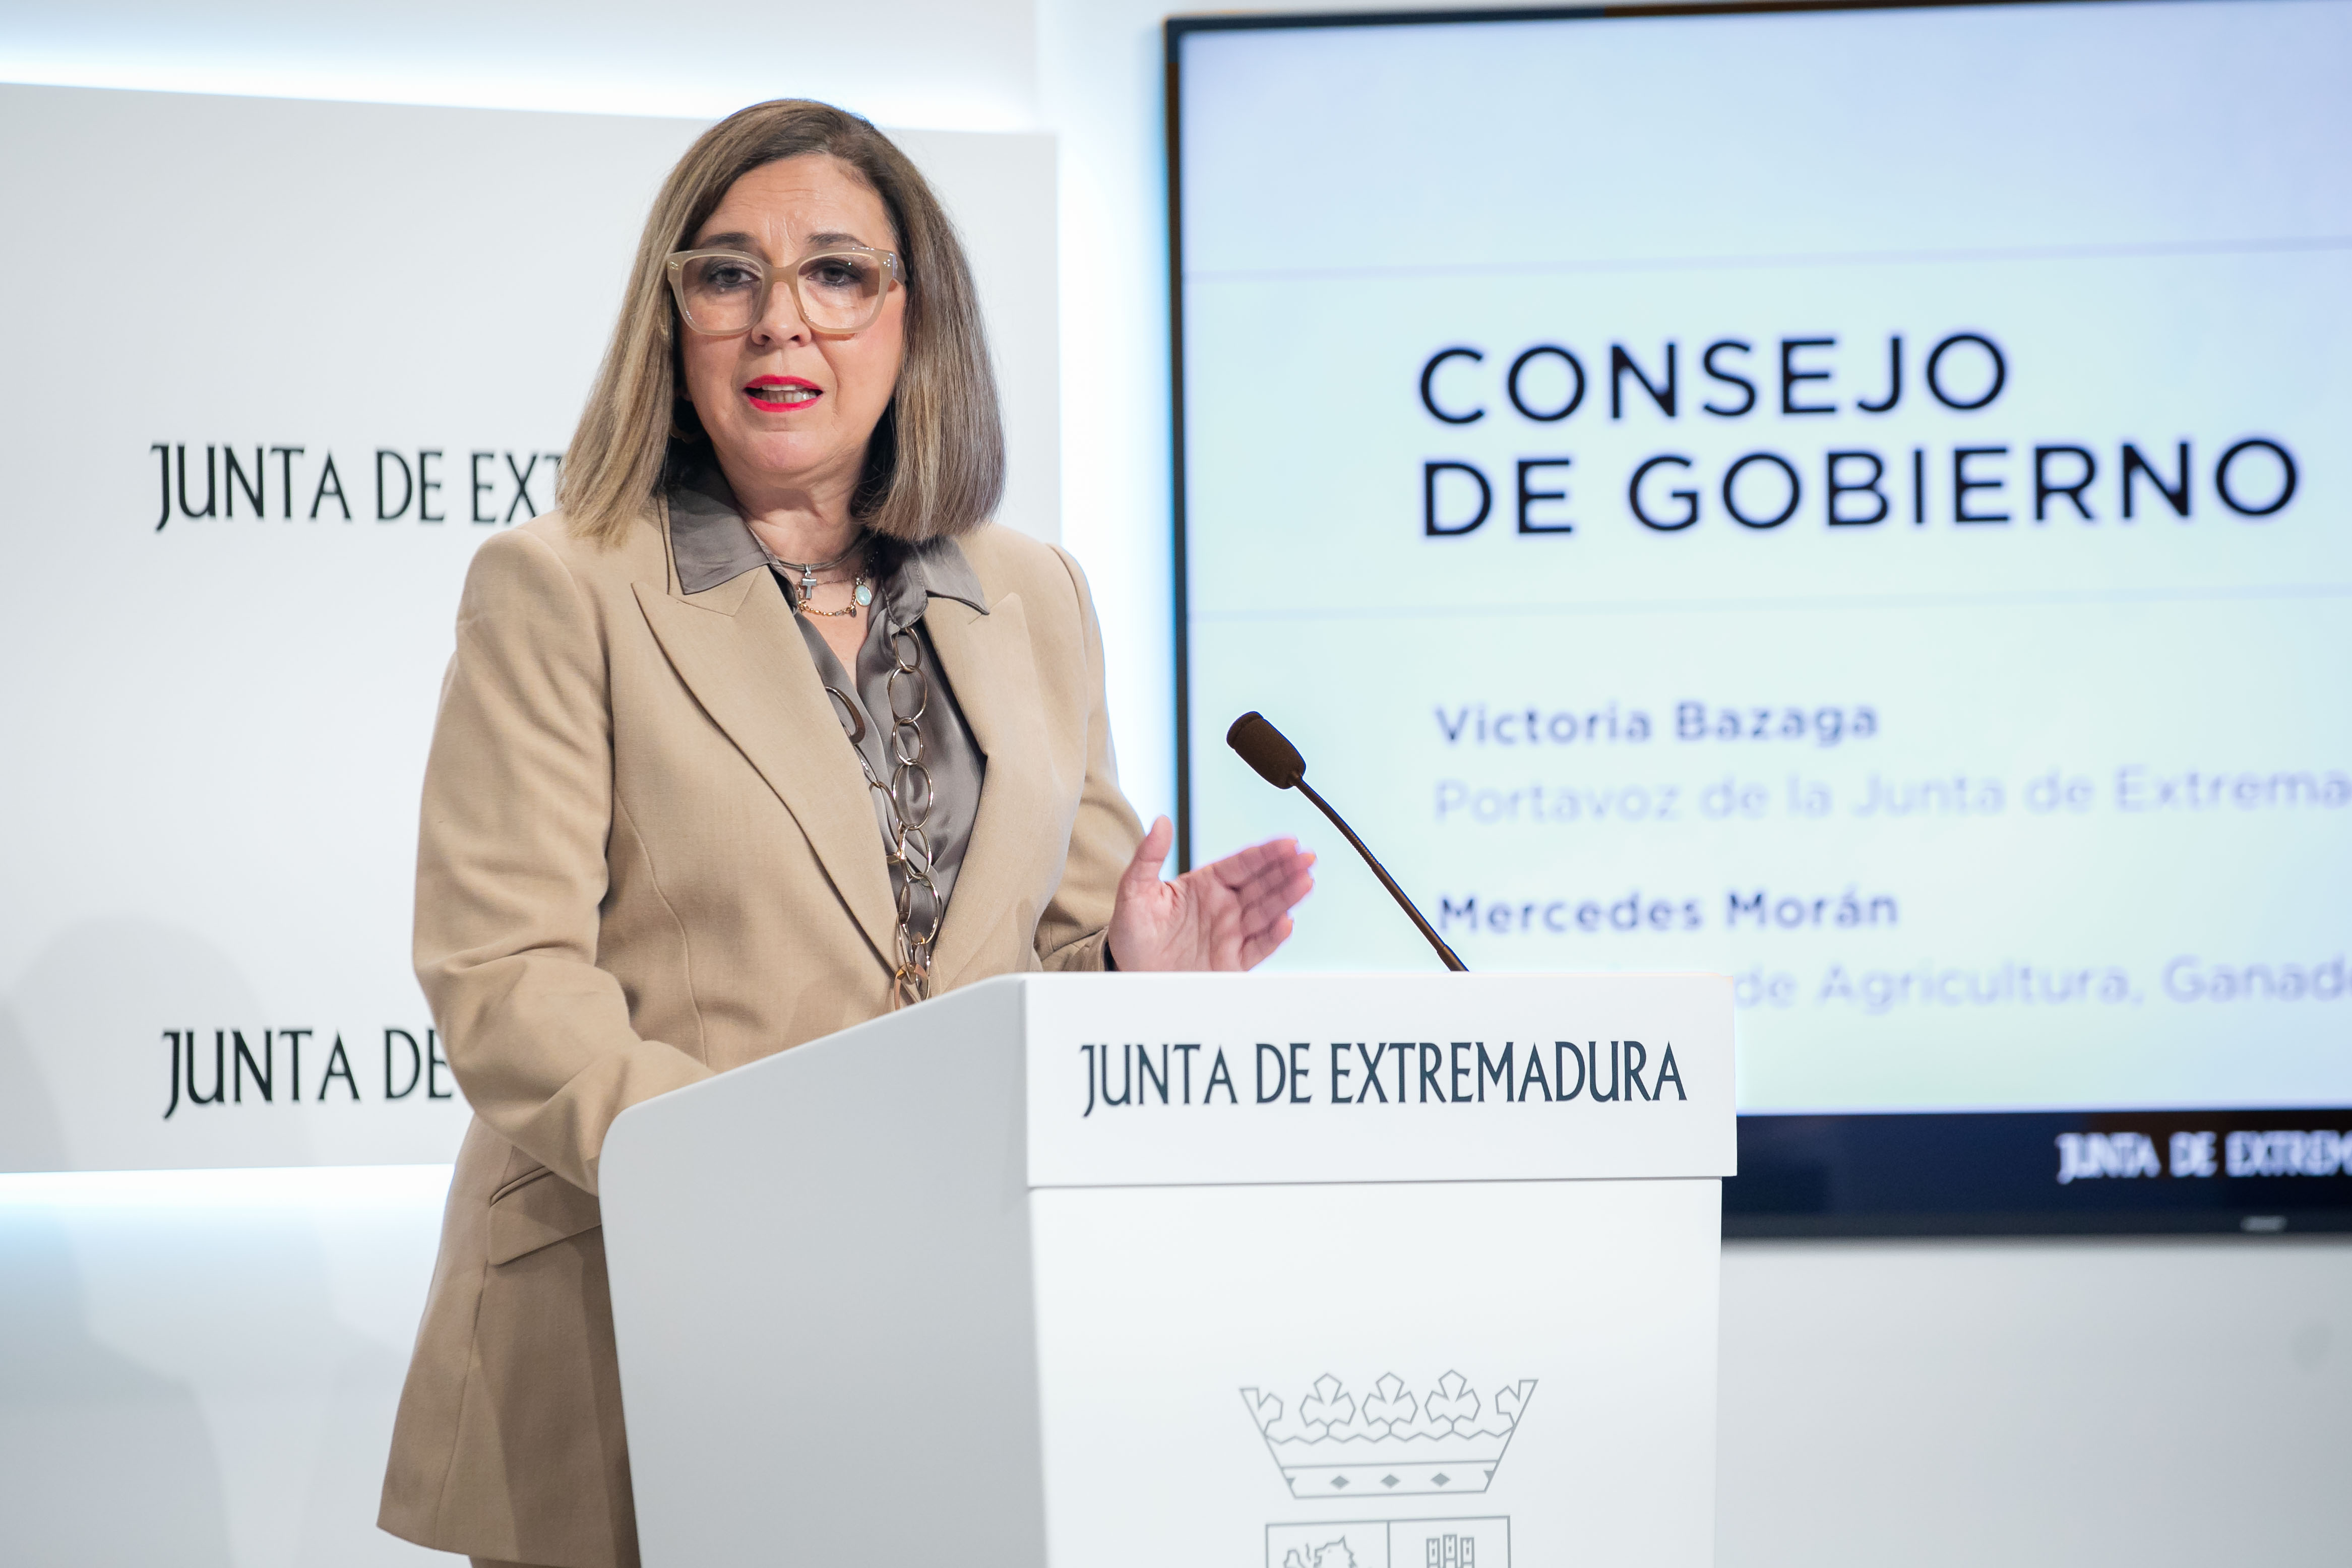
(723, 292)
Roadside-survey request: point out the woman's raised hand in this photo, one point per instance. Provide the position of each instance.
(1228, 915)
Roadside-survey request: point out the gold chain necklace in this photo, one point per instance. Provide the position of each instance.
(861, 594)
(860, 597)
(907, 800)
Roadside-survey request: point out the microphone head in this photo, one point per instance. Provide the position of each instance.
(1266, 748)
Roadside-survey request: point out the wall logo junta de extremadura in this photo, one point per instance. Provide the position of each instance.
(289, 482)
(267, 1067)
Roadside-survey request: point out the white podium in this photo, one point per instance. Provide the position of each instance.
(1117, 1270)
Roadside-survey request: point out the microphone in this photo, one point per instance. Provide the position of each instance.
(1277, 762)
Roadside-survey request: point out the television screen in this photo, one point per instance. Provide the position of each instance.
(1851, 498)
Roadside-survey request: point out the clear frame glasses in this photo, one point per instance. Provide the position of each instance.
(722, 292)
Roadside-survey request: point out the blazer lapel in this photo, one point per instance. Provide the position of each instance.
(987, 661)
(738, 649)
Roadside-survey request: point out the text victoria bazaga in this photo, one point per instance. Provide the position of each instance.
(1390, 1073)
(1856, 482)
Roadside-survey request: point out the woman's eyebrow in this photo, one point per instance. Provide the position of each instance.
(830, 239)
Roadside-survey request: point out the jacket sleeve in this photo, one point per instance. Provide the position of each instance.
(511, 869)
(1072, 931)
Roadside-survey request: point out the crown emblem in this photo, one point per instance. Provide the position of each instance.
(1334, 1445)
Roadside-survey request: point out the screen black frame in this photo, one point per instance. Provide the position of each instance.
(1920, 1173)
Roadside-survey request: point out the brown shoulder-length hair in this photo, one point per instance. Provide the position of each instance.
(934, 465)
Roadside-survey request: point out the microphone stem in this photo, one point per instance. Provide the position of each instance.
(1387, 880)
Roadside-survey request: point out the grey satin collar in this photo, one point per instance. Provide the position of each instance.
(712, 544)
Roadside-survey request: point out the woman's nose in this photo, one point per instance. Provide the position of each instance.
(781, 321)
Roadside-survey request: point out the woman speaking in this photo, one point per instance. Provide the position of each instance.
(764, 732)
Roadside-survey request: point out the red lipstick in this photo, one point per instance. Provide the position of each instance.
(762, 390)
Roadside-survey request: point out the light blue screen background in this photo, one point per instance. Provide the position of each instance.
(2149, 208)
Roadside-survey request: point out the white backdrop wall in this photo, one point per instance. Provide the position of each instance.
(291, 363)
(200, 1368)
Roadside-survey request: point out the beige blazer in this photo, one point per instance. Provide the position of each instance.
(648, 855)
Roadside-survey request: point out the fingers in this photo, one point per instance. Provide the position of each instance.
(1285, 864)
(1261, 923)
(1137, 935)
(1244, 900)
(1287, 877)
(1243, 865)
(1275, 890)
(1264, 904)
(1257, 888)
(1256, 950)
(1142, 872)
